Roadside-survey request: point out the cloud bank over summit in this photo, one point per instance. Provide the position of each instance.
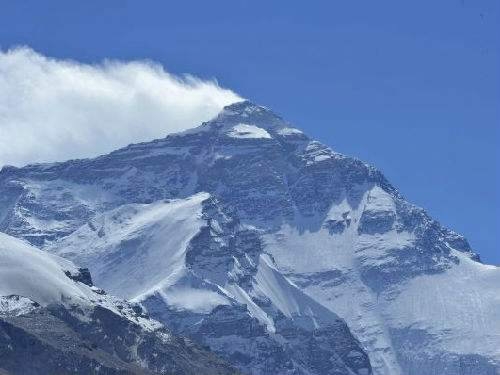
(52, 110)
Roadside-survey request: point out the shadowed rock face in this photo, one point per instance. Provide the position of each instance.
(54, 340)
(242, 340)
(292, 237)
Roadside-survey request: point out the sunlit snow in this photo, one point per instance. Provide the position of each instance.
(248, 131)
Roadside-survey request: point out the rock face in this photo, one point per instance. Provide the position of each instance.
(56, 341)
(260, 243)
(53, 323)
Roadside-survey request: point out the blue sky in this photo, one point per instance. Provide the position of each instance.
(411, 87)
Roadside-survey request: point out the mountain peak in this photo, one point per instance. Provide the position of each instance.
(250, 113)
(245, 106)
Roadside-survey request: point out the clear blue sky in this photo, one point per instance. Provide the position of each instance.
(412, 87)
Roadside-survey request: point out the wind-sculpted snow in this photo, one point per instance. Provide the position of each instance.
(258, 242)
(135, 248)
(39, 276)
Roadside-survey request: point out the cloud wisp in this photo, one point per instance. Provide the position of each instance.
(53, 110)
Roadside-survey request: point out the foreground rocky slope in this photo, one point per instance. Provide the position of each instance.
(53, 321)
(256, 241)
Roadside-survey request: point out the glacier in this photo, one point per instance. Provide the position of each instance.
(274, 251)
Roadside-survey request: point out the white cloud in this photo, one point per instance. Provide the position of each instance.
(53, 110)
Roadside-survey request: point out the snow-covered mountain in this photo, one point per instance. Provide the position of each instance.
(258, 242)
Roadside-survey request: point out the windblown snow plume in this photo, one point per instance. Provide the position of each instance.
(57, 109)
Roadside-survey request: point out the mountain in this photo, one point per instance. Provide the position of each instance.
(54, 321)
(277, 253)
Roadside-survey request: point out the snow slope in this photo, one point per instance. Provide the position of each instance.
(136, 248)
(47, 279)
(248, 131)
(470, 289)
(31, 273)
